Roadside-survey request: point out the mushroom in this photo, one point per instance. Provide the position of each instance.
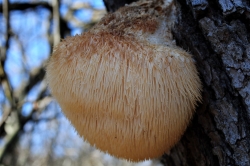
(124, 85)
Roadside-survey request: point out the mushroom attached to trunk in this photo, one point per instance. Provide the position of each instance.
(124, 85)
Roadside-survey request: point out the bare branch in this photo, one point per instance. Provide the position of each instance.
(56, 20)
(4, 79)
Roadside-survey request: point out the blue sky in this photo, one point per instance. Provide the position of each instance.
(28, 50)
(31, 27)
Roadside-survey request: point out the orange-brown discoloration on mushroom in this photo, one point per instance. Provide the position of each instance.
(130, 94)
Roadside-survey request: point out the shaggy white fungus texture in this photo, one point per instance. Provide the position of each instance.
(124, 85)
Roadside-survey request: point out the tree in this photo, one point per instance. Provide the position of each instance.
(217, 34)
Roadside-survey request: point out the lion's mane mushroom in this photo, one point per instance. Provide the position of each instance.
(124, 85)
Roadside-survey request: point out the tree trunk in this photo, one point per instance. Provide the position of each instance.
(217, 33)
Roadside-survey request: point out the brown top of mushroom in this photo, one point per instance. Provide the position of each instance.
(127, 90)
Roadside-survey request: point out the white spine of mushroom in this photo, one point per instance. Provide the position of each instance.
(124, 85)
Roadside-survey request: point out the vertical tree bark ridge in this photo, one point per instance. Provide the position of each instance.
(221, 47)
(113, 5)
(229, 6)
(198, 6)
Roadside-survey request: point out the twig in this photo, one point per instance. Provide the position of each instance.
(56, 20)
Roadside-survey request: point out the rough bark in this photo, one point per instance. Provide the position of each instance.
(113, 5)
(217, 33)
